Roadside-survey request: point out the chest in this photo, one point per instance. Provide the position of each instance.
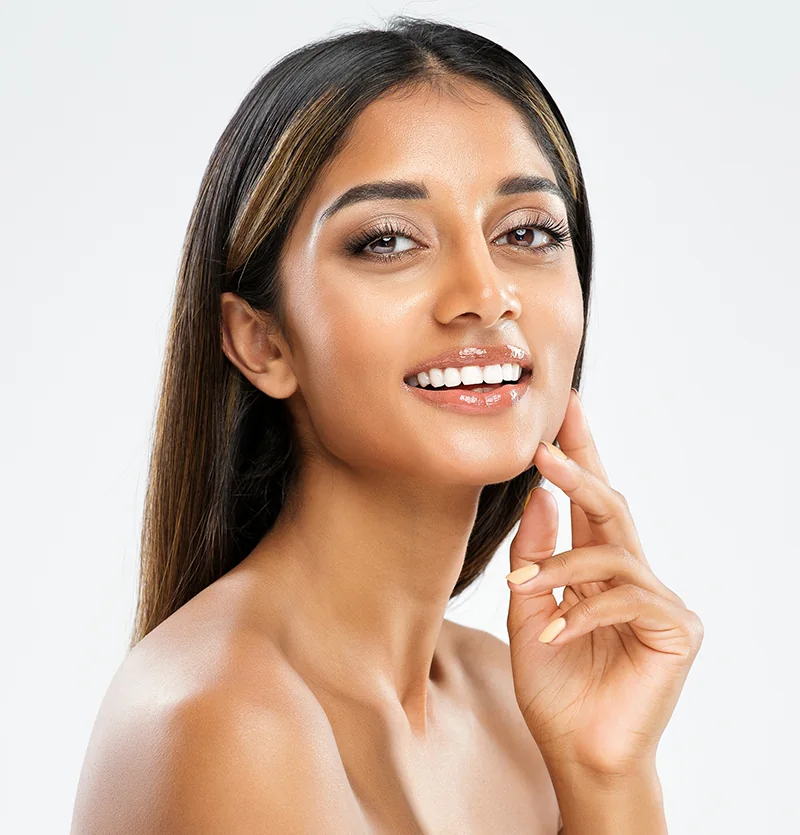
(472, 777)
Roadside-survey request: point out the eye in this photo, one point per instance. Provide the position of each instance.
(383, 237)
(387, 245)
(538, 233)
(527, 236)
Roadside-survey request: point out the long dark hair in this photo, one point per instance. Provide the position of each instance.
(224, 455)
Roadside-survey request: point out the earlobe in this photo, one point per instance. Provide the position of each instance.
(253, 343)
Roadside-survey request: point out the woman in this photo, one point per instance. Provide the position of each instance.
(380, 315)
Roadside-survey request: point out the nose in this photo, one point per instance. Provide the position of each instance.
(474, 288)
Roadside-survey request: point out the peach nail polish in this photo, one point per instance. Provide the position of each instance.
(520, 575)
(556, 451)
(552, 629)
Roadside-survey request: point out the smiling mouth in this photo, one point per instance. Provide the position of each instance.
(415, 382)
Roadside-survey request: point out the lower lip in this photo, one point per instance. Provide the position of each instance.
(470, 402)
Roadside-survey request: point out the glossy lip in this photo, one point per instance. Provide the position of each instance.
(467, 401)
(475, 355)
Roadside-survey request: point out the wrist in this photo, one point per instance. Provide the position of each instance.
(609, 803)
(606, 777)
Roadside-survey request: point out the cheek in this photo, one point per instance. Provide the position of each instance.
(569, 321)
(553, 321)
(561, 347)
(349, 346)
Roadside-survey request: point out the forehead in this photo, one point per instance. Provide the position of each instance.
(460, 145)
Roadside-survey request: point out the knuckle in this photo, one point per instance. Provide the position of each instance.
(677, 598)
(581, 612)
(617, 506)
(619, 499)
(589, 608)
(633, 593)
(696, 628)
(559, 563)
(625, 559)
(601, 518)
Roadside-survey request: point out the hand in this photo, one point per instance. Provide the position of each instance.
(599, 694)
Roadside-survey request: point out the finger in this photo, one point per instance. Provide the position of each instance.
(658, 623)
(536, 535)
(605, 509)
(596, 564)
(571, 596)
(535, 540)
(576, 440)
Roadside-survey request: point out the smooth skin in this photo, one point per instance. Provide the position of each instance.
(597, 676)
(318, 686)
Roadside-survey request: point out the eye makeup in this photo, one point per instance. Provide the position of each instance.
(557, 231)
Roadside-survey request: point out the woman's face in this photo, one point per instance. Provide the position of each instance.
(467, 273)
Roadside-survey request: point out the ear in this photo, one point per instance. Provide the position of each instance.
(254, 344)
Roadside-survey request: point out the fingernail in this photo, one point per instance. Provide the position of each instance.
(554, 450)
(576, 392)
(520, 575)
(551, 630)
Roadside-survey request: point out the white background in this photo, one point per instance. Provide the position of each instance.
(685, 119)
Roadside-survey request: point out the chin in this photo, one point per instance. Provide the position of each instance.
(478, 470)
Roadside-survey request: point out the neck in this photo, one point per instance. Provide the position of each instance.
(365, 565)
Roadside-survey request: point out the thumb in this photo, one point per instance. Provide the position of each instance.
(535, 540)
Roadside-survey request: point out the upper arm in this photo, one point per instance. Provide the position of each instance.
(213, 766)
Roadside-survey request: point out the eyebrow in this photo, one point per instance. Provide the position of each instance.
(408, 190)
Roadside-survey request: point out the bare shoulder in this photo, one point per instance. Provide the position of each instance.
(484, 657)
(486, 662)
(490, 646)
(210, 733)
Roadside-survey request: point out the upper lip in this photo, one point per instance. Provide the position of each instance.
(475, 355)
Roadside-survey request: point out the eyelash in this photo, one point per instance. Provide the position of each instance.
(559, 232)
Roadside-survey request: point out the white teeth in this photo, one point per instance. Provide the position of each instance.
(493, 374)
(472, 375)
(468, 375)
